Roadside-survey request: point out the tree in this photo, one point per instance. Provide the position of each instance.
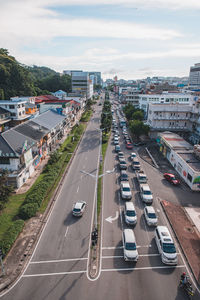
(138, 128)
(138, 115)
(5, 189)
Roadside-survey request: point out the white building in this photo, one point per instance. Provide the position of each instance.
(145, 99)
(163, 116)
(16, 109)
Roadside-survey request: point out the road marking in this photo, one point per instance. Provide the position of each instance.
(120, 247)
(121, 256)
(54, 274)
(110, 219)
(142, 268)
(77, 189)
(66, 231)
(57, 260)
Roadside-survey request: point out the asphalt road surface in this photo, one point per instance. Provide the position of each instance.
(58, 268)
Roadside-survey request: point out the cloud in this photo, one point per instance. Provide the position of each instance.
(29, 22)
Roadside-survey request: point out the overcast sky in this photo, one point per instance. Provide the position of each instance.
(129, 38)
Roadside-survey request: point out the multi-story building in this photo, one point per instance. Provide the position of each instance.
(82, 84)
(4, 119)
(172, 117)
(131, 96)
(95, 77)
(17, 111)
(194, 77)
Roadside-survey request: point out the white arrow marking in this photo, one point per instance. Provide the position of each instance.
(110, 219)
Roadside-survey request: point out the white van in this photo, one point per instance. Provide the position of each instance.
(129, 243)
(165, 245)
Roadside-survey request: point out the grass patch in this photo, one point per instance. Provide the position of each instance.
(86, 116)
(104, 148)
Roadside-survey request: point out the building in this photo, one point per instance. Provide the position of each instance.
(172, 117)
(182, 157)
(4, 119)
(194, 77)
(95, 77)
(82, 84)
(60, 94)
(17, 111)
(131, 96)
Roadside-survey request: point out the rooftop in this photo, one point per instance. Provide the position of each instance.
(191, 160)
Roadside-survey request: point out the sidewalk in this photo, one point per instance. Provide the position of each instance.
(186, 233)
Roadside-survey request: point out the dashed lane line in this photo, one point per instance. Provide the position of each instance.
(57, 260)
(121, 256)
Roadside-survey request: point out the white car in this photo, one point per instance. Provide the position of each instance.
(130, 213)
(141, 177)
(79, 208)
(150, 216)
(129, 245)
(125, 191)
(133, 154)
(146, 194)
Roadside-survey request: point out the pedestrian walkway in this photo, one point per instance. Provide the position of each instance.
(186, 233)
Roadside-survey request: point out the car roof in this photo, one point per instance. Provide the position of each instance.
(150, 209)
(78, 204)
(129, 235)
(123, 172)
(125, 184)
(145, 187)
(130, 205)
(170, 174)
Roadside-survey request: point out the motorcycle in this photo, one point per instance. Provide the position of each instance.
(187, 287)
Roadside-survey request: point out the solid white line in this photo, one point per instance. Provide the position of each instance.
(142, 268)
(54, 274)
(140, 255)
(57, 260)
(66, 231)
(120, 247)
(77, 189)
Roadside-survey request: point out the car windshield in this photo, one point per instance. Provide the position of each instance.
(152, 215)
(130, 246)
(123, 162)
(169, 248)
(143, 178)
(126, 189)
(147, 192)
(130, 213)
(136, 163)
(76, 210)
(124, 175)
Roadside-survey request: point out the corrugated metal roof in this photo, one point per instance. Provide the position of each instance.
(49, 119)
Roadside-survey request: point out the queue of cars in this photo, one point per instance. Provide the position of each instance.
(163, 238)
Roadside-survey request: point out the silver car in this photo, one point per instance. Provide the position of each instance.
(79, 208)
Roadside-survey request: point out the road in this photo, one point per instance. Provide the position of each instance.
(59, 266)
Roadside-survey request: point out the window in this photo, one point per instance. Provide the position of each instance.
(189, 177)
(11, 106)
(4, 161)
(13, 114)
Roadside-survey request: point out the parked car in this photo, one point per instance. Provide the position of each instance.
(129, 146)
(135, 164)
(123, 176)
(150, 216)
(117, 148)
(116, 141)
(79, 208)
(171, 178)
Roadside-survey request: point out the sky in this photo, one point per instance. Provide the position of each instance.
(132, 39)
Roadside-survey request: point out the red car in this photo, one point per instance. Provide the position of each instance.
(129, 146)
(171, 178)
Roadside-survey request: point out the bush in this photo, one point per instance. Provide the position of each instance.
(28, 210)
(10, 236)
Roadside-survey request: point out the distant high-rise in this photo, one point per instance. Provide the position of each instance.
(194, 77)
